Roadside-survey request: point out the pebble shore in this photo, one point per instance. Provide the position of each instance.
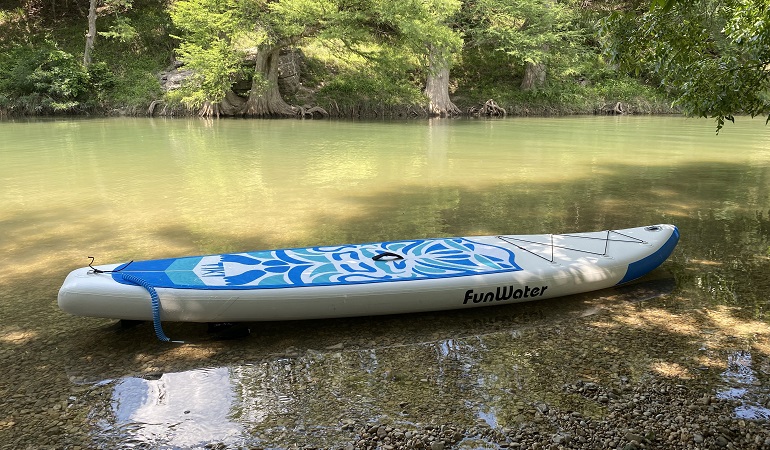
(653, 416)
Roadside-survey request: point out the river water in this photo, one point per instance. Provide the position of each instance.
(121, 189)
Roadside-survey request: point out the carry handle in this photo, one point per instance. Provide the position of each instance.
(389, 255)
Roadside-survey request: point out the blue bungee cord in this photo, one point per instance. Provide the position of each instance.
(155, 301)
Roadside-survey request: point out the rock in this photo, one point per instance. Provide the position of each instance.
(173, 79)
(561, 438)
(290, 66)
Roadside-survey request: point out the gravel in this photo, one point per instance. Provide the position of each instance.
(654, 415)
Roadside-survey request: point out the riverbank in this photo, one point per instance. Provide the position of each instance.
(609, 97)
(136, 71)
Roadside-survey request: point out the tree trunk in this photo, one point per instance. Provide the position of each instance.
(265, 97)
(437, 85)
(231, 105)
(534, 75)
(91, 35)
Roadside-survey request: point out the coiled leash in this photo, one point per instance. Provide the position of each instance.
(154, 299)
(155, 302)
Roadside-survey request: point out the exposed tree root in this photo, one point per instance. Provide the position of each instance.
(488, 109)
(447, 109)
(209, 109)
(153, 105)
(312, 112)
(618, 109)
(269, 105)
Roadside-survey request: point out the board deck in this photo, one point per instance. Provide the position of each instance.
(326, 266)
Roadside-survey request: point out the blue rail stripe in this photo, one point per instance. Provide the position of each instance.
(647, 264)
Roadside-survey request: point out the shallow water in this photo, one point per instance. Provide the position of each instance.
(121, 189)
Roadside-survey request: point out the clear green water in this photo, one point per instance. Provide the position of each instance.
(121, 189)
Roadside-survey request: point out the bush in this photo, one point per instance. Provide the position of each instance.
(43, 79)
(370, 88)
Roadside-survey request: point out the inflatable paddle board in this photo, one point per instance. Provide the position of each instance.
(366, 279)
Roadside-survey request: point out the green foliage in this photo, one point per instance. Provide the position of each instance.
(214, 67)
(369, 87)
(202, 20)
(121, 30)
(101, 79)
(418, 24)
(350, 79)
(712, 55)
(299, 17)
(44, 78)
(533, 31)
(208, 47)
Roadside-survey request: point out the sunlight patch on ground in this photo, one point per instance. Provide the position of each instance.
(762, 346)
(723, 318)
(658, 318)
(679, 210)
(190, 352)
(705, 262)
(711, 362)
(18, 337)
(670, 370)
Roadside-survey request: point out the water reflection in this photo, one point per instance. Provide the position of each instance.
(743, 386)
(181, 409)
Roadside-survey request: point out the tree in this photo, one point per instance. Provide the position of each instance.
(444, 42)
(91, 35)
(535, 68)
(712, 56)
(421, 30)
(437, 83)
(109, 5)
(219, 35)
(286, 22)
(528, 32)
(207, 49)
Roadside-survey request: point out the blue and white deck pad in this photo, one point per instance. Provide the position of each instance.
(325, 266)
